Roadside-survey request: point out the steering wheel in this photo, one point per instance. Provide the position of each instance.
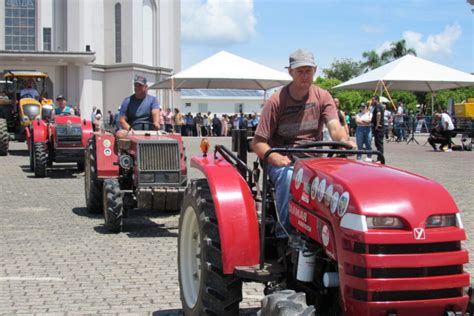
(27, 95)
(158, 132)
(332, 144)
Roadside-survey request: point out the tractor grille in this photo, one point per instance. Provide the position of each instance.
(393, 273)
(407, 248)
(162, 156)
(68, 134)
(405, 295)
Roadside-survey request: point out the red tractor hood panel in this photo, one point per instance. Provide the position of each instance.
(67, 119)
(369, 189)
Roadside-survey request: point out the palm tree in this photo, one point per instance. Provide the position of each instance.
(399, 49)
(373, 60)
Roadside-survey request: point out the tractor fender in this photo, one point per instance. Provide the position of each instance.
(106, 155)
(235, 211)
(39, 130)
(86, 131)
(28, 137)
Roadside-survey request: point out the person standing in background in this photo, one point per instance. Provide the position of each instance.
(377, 123)
(364, 130)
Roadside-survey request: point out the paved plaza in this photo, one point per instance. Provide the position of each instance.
(56, 258)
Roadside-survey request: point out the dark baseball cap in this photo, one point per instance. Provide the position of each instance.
(301, 57)
(60, 97)
(140, 80)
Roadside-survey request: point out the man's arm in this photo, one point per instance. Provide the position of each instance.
(338, 133)
(377, 120)
(123, 122)
(260, 147)
(156, 114)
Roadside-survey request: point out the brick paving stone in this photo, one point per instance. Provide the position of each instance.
(57, 259)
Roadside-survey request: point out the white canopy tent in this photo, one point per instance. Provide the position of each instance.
(410, 73)
(225, 71)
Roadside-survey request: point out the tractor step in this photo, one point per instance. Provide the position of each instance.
(272, 271)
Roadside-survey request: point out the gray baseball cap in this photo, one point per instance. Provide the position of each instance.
(301, 57)
(140, 80)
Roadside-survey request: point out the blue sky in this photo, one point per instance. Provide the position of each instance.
(267, 31)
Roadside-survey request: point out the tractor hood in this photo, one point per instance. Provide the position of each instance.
(67, 119)
(336, 186)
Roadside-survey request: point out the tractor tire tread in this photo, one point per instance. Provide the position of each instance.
(94, 196)
(40, 159)
(113, 206)
(222, 294)
(4, 137)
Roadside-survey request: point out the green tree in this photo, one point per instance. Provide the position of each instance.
(326, 83)
(343, 69)
(441, 97)
(398, 49)
(372, 61)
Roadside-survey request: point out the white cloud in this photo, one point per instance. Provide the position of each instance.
(435, 45)
(438, 44)
(217, 21)
(385, 46)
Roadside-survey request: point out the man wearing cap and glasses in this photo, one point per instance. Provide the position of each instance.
(139, 107)
(61, 107)
(295, 114)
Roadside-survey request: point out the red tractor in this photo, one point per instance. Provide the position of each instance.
(146, 170)
(60, 139)
(368, 239)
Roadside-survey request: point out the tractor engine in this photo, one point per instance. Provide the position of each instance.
(384, 241)
(155, 169)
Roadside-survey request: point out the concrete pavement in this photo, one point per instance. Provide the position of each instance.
(57, 259)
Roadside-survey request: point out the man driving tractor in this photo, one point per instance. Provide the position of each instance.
(61, 106)
(295, 114)
(29, 91)
(139, 108)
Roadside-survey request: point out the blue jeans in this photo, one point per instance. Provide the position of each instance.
(399, 131)
(364, 137)
(281, 178)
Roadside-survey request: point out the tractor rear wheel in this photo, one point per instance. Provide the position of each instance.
(113, 206)
(203, 286)
(4, 137)
(92, 185)
(40, 159)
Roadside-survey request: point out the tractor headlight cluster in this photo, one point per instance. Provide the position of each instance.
(147, 177)
(125, 161)
(441, 221)
(25, 118)
(384, 222)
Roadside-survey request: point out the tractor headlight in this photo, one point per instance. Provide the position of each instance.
(125, 161)
(25, 118)
(441, 221)
(147, 177)
(167, 177)
(384, 222)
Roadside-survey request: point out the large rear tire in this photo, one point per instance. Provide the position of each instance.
(113, 206)
(4, 137)
(40, 159)
(203, 286)
(92, 185)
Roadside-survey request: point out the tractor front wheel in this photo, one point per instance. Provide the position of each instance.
(113, 206)
(40, 159)
(32, 156)
(4, 137)
(203, 286)
(92, 185)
